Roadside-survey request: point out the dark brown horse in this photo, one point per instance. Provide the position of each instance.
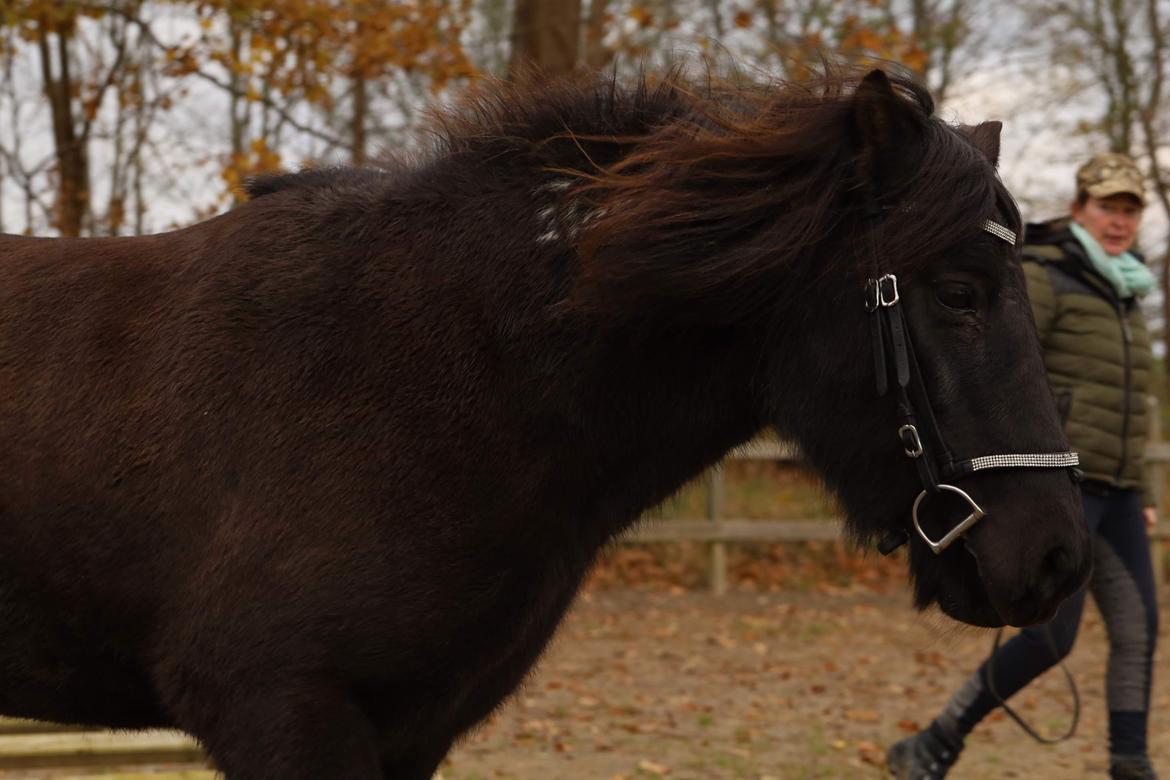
(316, 480)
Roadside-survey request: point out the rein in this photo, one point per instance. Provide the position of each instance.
(989, 678)
(918, 430)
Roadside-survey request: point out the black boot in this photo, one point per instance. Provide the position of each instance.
(928, 755)
(1131, 767)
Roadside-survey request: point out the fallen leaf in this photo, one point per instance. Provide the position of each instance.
(862, 716)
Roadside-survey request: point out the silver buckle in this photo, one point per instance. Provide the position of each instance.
(954, 533)
(881, 292)
(914, 449)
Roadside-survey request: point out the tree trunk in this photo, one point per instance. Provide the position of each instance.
(597, 56)
(1151, 110)
(238, 115)
(69, 148)
(545, 34)
(357, 122)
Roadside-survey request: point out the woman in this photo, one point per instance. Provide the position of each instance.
(1084, 282)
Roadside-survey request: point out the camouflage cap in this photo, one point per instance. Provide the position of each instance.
(1111, 174)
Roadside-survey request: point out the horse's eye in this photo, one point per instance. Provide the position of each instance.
(956, 297)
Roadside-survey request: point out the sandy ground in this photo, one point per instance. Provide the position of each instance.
(683, 684)
(787, 685)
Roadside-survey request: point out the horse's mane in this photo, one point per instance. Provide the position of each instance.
(677, 187)
(742, 178)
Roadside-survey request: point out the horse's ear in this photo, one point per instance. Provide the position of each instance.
(985, 137)
(885, 124)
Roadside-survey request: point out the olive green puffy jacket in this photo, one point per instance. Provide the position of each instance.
(1097, 353)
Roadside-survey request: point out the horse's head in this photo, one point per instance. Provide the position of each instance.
(751, 222)
(972, 332)
(974, 379)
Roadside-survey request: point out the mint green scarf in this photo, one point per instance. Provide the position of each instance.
(1128, 275)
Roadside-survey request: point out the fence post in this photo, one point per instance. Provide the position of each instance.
(1155, 476)
(717, 574)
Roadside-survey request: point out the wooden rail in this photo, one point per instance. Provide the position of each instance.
(725, 531)
(33, 745)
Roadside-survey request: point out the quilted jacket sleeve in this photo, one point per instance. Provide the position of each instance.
(1044, 304)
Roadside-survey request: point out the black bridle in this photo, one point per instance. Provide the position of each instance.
(918, 430)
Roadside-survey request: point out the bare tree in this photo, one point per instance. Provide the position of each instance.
(546, 34)
(945, 32)
(936, 38)
(80, 72)
(1117, 50)
(54, 39)
(597, 54)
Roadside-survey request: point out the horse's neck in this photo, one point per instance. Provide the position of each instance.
(662, 420)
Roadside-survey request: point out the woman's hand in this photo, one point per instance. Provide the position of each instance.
(1151, 515)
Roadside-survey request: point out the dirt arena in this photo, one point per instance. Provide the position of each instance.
(807, 683)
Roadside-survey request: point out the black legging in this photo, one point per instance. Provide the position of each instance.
(1123, 587)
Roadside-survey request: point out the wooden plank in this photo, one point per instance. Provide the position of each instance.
(97, 748)
(192, 774)
(734, 530)
(23, 726)
(773, 449)
(197, 774)
(765, 449)
(717, 569)
(759, 531)
(1158, 452)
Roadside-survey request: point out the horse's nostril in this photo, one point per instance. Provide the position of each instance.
(1058, 563)
(1062, 571)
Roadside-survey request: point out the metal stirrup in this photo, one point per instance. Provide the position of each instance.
(1041, 460)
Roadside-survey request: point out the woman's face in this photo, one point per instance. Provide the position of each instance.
(1113, 221)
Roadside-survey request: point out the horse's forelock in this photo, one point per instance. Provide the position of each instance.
(952, 190)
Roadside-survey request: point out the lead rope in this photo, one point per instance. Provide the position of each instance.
(1072, 686)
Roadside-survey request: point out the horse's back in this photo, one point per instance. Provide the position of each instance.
(267, 414)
